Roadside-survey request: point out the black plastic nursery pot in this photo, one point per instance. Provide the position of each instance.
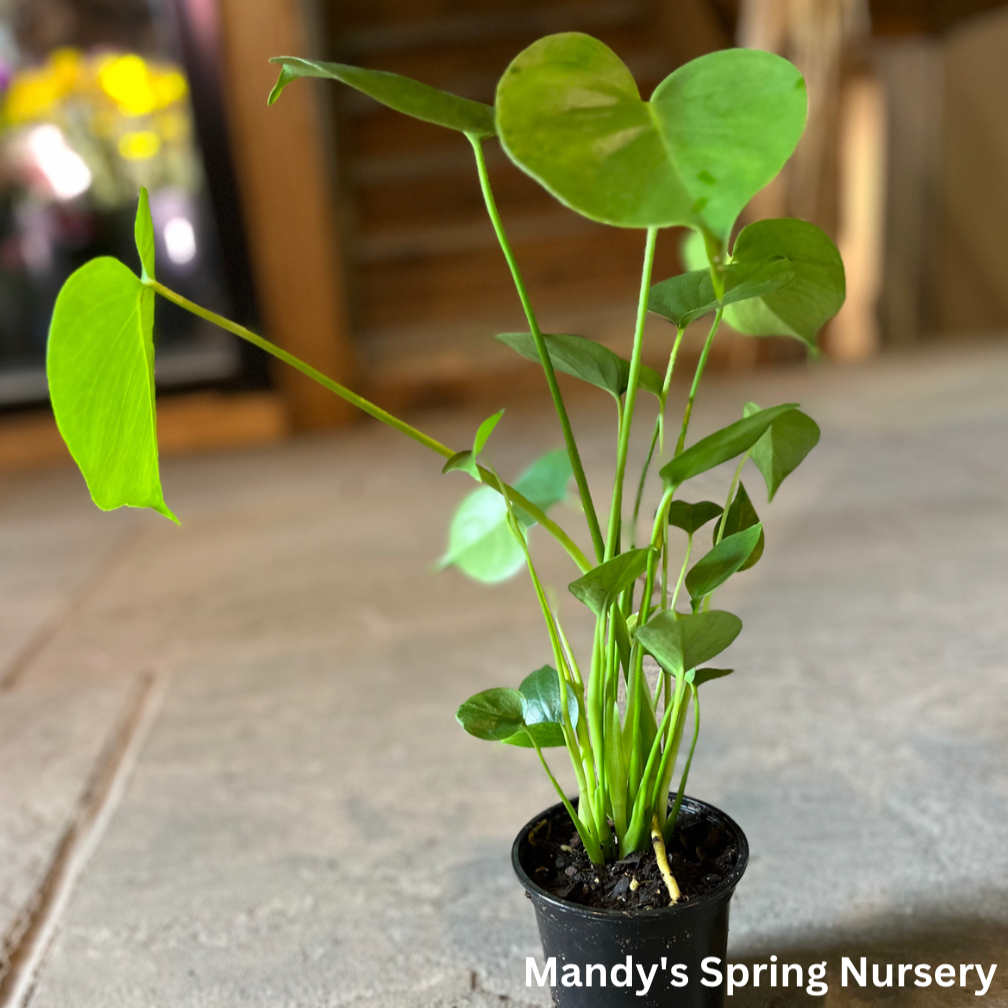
(623, 947)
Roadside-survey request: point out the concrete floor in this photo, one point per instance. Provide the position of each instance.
(229, 769)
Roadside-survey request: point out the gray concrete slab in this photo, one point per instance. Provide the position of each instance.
(308, 827)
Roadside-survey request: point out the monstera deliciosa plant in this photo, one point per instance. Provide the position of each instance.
(567, 112)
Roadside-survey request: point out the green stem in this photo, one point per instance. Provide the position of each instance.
(701, 364)
(615, 512)
(674, 814)
(517, 499)
(540, 343)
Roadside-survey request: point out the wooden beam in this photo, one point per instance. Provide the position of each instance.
(284, 178)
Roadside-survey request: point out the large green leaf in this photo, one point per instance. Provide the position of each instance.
(783, 447)
(421, 101)
(100, 365)
(721, 446)
(544, 710)
(686, 297)
(713, 134)
(690, 517)
(493, 715)
(480, 542)
(585, 359)
(600, 586)
(724, 559)
(812, 298)
(742, 515)
(679, 643)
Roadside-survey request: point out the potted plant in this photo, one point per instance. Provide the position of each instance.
(625, 869)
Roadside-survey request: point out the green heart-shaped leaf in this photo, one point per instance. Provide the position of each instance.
(585, 359)
(544, 710)
(480, 542)
(688, 296)
(690, 517)
(421, 101)
(679, 643)
(713, 134)
(493, 715)
(728, 556)
(783, 447)
(600, 586)
(812, 298)
(100, 365)
(697, 677)
(742, 515)
(721, 446)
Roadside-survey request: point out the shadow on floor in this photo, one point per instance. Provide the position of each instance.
(949, 941)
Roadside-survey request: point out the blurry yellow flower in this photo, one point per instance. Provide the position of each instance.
(139, 146)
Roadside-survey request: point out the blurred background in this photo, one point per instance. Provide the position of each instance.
(357, 238)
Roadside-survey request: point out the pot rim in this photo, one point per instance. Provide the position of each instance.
(725, 888)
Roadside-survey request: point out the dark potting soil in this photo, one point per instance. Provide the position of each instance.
(701, 855)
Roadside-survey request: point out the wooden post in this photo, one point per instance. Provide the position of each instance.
(280, 160)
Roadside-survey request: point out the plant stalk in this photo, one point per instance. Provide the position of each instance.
(486, 477)
(540, 343)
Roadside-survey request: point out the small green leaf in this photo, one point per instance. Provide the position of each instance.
(544, 709)
(679, 643)
(783, 447)
(485, 430)
(480, 542)
(806, 304)
(493, 715)
(714, 133)
(100, 365)
(585, 359)
(728, 556)
(466, 460)
(143, 232)
(686, 297)
(461, 460)
(690, 517)
(721, 446)
(742, 515)
(697, 677)
(421, 101)
(599, 588)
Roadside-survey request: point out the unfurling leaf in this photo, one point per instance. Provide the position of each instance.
(728, 556)
(599, 588)
(679, 643)
(810, 300)
(100, 365)
(722, 445)
(143, 233)
(783, 447)
(493, 715)
(421, 101)
(480, 542)
(714, 133)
